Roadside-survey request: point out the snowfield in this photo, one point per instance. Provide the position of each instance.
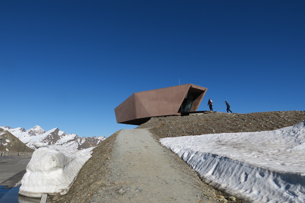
(266, 166)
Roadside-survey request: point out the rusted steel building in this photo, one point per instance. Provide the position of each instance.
(141, 106)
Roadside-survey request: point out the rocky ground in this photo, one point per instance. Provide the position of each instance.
(95, 180)
(215, 122)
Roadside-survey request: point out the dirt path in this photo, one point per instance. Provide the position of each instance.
(147, 173)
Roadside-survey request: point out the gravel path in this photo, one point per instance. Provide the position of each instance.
(147, 173)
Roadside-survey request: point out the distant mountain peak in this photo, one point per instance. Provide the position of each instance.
(37, 137)
(37, 130)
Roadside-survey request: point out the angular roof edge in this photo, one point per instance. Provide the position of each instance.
(189, 84)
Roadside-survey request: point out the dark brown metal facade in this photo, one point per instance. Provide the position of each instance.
(141, 106)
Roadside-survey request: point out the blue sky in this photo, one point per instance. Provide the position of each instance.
(68, 64)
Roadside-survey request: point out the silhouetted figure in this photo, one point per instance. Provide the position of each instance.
(210, 104)
(228, 107)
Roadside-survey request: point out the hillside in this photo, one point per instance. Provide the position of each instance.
(215, 122)
(12, 145)
(94, 180)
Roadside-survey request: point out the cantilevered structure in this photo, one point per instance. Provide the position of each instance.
(141, 106)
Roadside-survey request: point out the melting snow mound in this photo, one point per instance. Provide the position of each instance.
(50, 171)
(263, 166)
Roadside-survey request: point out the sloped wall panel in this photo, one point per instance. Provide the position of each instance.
(159, 102)
(126, 110)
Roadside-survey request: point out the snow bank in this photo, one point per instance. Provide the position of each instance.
(50, 171)
(261, 166)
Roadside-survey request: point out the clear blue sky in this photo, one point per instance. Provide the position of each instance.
(68, 64)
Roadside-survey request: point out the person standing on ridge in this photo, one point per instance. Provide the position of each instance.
(228, 107)
(210, 104)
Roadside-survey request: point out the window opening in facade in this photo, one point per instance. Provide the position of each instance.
(188, 102)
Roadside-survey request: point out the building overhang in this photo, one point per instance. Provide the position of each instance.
(141, 106)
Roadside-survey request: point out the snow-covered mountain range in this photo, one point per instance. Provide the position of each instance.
(37, 137)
